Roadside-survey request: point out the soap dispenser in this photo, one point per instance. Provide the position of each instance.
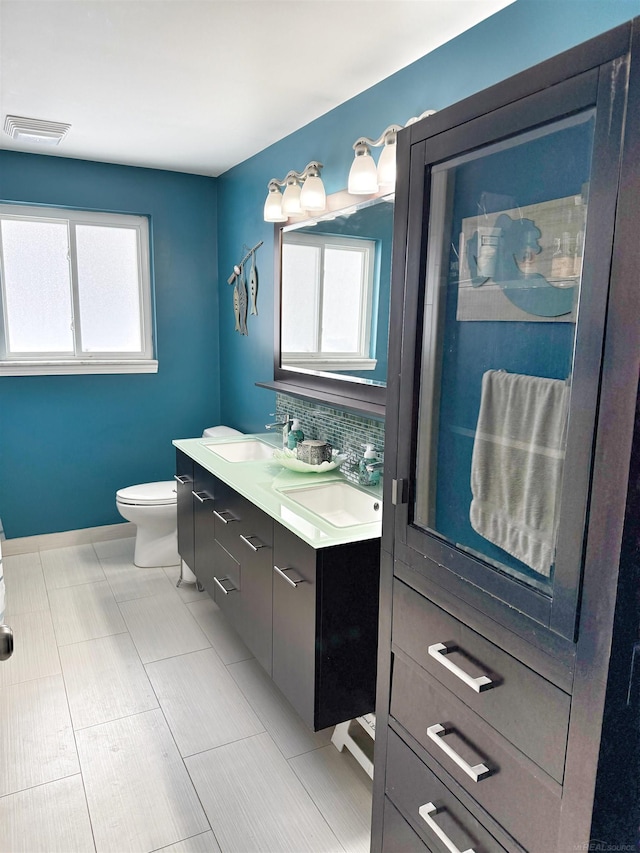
(295, 434)
(366, 477)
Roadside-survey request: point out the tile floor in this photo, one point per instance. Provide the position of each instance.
(132, 718)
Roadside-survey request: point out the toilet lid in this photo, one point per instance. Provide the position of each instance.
(149, 494)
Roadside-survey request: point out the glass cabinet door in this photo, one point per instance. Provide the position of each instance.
(510, 301)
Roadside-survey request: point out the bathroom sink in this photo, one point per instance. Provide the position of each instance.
(338, 503)
(250, 450)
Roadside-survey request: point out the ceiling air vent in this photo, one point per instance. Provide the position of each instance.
(35, 130)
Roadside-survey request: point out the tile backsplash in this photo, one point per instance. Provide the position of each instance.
(345, 431)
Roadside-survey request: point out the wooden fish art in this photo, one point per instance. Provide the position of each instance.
(253, 285)
(236, 306)
(242, 303)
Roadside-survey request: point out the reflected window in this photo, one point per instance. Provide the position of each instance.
(327, 299)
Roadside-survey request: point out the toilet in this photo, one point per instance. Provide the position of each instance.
(152, 507)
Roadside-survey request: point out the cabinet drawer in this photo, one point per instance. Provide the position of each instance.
(412, 786)
(520, 796)
(236, 517)
(398, 837)
(525, 708)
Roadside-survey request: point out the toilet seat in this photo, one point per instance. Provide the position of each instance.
(148, 494)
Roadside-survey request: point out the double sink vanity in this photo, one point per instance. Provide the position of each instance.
(292, 560)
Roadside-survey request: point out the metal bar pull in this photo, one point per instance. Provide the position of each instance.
(281, 572)
(478, 772)
(221, 516)
(182, 479)
(439, 651)
(202, 496)
(253, 547)
(222, 587)
(425, 813)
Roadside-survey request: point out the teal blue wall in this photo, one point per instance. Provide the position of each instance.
(68, 442)
(523, 34)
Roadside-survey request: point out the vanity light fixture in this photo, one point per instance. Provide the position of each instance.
(303, 191)
(364, 177)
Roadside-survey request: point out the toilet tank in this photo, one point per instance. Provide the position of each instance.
(220, 431)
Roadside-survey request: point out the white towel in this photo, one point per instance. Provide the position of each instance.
(516, 469)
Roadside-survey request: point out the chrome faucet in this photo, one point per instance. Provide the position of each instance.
(375, 466)
(281, 424)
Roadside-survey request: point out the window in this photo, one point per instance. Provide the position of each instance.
(76, 293)
(327, 284)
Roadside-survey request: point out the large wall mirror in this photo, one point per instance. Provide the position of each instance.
(332, 322)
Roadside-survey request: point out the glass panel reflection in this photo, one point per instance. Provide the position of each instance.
(506, 235)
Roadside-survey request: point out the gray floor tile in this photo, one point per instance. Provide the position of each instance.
(187, 591)
(64, 567)
(162, 627)
(36, 738)
(342, 791)
(85, 612)
(255, 802)
(105, 680)
(26, 591)
(284, 725)
(128, 581)
(35, 654)
(139, 793)
(201, 702)
(50, 818)
(205, 843)
(115, 548)
(221, 635)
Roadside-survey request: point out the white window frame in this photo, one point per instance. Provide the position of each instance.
(25, 364)
(360, 360)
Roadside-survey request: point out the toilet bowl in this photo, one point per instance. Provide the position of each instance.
(152, 507)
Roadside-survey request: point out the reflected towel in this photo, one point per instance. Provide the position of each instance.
(516, 468)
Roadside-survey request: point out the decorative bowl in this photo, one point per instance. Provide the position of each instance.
(288, 459)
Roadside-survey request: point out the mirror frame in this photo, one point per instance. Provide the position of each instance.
(353, 396)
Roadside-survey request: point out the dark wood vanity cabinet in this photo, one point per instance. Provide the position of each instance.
(310, 616)
(184, 489)
(507, 698)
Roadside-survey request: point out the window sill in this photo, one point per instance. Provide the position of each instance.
(328, 363)
(63, 368)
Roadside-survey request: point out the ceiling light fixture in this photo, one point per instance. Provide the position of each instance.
(364, 177)
(304, 191)
(35, 130)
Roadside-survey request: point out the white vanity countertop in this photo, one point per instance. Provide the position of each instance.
(261, 483)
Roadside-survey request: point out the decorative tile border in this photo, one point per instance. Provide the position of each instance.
(347, 432)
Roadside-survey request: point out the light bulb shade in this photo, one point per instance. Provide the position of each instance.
(387, 166)
(313, 196)
(291, 199)
(273, 206)
(363, 178)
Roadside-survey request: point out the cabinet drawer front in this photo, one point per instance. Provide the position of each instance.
(411, 786)
(398, 837)
(508, 785)
(526, 709)
(236, 517)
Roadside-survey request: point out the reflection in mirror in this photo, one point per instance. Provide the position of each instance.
(335, 286)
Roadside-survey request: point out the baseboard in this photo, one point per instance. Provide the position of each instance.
(46, 541)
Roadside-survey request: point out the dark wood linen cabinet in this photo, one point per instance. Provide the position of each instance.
(508, 696)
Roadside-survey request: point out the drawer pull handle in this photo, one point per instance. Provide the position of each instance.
(425, 813)
(223, 588)
(202, 496)
(439, 651)
(221, 515)
(477, 772)
(281, 572)
(253, 547)
(182, 479)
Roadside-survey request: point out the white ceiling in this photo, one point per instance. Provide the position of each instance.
(200, 85)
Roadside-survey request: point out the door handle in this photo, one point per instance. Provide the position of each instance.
(425, 813)
(439, 651)
(221, 516)
(289, 580)
(202, 496)
(182, 479)
(253, 547)
(477, 772)
(222, 587)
